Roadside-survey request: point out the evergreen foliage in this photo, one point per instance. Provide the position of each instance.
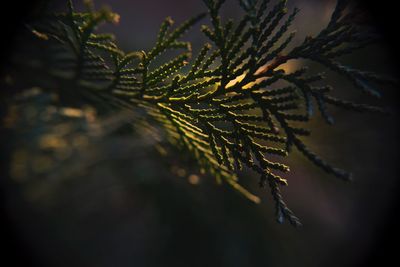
(232, 105)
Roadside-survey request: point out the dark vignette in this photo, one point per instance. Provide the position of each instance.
(19, 254)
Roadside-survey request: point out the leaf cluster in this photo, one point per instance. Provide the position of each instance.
(232, 105)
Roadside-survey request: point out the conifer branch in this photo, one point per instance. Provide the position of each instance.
(225, 110)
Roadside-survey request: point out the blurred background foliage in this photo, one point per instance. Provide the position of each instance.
(113, 201)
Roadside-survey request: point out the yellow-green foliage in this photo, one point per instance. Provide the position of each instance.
(223, 106)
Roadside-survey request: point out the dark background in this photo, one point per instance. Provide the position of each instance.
(169, 222)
